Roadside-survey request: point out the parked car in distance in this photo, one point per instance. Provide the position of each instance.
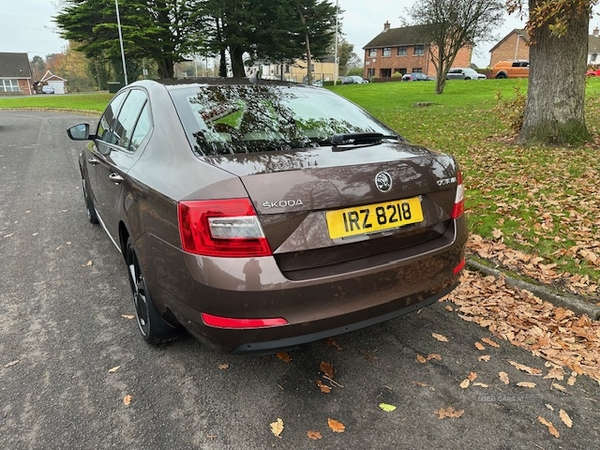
(259, 217)
(416, 76)
(510, 69)
(464, 73)
(593, 73)
(354, 79)
(47, 89)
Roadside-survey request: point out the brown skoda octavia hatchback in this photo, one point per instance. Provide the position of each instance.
(262, 216)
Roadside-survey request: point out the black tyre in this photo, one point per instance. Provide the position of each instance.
(89, 203)
(501, 75)
(155, 330)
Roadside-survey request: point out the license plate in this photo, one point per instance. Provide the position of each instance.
(373, 218)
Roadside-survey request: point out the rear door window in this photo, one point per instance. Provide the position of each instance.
(128, 117)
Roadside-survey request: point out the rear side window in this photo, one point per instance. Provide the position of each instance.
(142, 128)
(234, 119)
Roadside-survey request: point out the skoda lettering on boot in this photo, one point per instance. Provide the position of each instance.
(282, 204)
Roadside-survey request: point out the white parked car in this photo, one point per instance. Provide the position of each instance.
(464, 73)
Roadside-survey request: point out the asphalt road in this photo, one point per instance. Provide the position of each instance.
(63, 295)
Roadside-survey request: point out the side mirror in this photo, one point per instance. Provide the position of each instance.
(80, 132)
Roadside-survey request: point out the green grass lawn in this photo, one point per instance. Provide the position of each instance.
(542, 201)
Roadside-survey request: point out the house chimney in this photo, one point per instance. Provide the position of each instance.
(386, 26)
(596, 30)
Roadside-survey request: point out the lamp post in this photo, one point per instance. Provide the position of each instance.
(121, 42)
(336, 67)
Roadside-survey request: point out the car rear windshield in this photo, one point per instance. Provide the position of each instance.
(248, 118)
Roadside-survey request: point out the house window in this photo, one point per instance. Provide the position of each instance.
(372, 53)
(419, 50)
(401, 51)
(385, 73)
(593, 57)
(387, 51)
(401, 71)
(9, 85)
(370, 73)
(417, 70)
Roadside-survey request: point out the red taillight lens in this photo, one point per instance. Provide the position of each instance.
(227, 228)
(230, 322)
(460, 266)
(459, 199)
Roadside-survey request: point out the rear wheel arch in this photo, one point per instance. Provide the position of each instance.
(501, 75)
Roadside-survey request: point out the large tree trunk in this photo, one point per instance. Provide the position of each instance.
(554, 111)
(237, 62)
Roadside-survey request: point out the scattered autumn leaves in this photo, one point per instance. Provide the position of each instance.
(554, 333)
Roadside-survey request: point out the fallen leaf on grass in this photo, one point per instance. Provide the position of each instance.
(449, 412)
(128, 316)
(479, 346)
(314, 435)
(440, 337)
(127, 400)
(336, 427)
(387, 408)
(503, 377)
(284, 356)
(524, 368)
(324, 388)
(526, 384)
(114, 369)
(553, 431)
(277, 427)
(565, 418)
(327, 369)
(490, 342)
(484, 358)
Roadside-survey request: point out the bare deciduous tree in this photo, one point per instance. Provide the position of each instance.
(453, 24)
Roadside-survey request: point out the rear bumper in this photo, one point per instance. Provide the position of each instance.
(293, 342)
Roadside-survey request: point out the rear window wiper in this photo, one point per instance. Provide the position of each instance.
(360, 138)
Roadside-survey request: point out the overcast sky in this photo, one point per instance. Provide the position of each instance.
(29, 27)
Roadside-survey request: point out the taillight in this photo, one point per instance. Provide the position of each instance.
(233, 323)
(459, 198)
(227, 228)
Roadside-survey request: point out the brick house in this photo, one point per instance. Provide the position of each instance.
(515, 45)
(403, 50)
(15, 74)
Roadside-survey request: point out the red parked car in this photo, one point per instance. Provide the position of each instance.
(593, 73)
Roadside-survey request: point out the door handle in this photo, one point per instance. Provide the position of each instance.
(116, 178)
(93, 161)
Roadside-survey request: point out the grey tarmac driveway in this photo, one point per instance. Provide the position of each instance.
(62, 299)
